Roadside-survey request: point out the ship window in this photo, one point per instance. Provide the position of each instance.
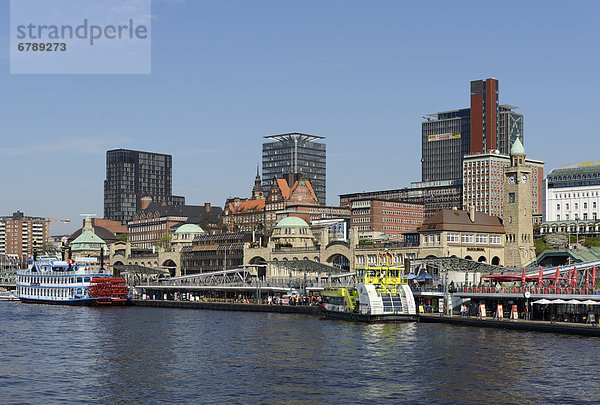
(79, 279)
(86, 279)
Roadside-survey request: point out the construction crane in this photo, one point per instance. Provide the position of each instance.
(64, 221)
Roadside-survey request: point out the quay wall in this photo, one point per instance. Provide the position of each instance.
(229, 306)
(512, 324)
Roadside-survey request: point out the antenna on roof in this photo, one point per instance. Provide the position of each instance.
(493, 68)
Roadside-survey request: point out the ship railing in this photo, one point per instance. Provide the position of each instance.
(77, 272)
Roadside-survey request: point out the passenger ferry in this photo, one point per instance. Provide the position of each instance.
(50, 281)
(381, 294)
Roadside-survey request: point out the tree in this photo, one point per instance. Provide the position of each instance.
(165, 241)
(556, 239)
(48, 248)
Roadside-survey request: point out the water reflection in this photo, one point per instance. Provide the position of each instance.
(149, 355)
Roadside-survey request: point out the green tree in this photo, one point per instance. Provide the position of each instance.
(165, 241)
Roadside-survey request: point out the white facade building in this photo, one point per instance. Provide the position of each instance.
(573, 193)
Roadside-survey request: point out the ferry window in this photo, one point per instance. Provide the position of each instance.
(79, 279)
(86, 279)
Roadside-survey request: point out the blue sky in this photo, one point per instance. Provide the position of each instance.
(362, 74)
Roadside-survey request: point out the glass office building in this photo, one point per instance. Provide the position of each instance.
(131, 175)
(445, 140)
(295, 153)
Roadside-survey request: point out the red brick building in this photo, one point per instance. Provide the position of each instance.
(18, 232)
(260, 214)
(393, 218)
(310, 213)
(156, 219)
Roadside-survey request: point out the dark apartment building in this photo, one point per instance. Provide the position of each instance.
(131, 175)
(295, 153)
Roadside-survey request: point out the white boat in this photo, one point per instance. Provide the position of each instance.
(382, 294)
(51, 281)
(6, 295)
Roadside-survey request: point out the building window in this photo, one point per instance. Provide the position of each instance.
(557, 207)
(481, 239)
(452, 238)
(495, 239)
(511, 197)
(467, 239)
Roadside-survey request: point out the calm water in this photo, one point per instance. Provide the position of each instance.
(133, 355)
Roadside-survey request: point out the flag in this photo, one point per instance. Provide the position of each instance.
(540, 282)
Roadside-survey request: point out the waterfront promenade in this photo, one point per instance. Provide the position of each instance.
(229, 306)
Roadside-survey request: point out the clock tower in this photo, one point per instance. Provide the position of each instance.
(518, 220)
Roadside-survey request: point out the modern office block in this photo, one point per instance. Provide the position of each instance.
(295, 153)
(131, 175)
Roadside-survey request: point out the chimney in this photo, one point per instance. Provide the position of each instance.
(207, 207)
(145, 202)
(472, 213)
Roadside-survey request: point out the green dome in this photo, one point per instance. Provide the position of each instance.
(517, 148)
(88, 241)
(291, 222)
(189, 228)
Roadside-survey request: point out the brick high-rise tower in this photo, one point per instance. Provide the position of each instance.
(484, 115)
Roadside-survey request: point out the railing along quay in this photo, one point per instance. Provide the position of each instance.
(523, 290)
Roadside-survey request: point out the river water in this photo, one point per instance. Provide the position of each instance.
(133, 355)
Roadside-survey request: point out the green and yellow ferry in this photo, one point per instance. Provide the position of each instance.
(381, 294)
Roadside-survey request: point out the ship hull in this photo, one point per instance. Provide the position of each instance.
(356, 317)
(79, 302)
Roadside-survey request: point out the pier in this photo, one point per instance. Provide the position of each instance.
(229, 306)
(569, 328)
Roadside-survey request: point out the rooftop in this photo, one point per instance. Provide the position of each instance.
(294, 135)
(458, 220)
(189, 228)
(291, 222)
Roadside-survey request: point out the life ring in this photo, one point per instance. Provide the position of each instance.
(394, 280)
(371, 280)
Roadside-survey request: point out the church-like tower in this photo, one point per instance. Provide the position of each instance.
(257, 190)
(518, 221)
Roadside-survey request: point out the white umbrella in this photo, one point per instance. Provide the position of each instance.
(543, 301)
(558, 301)
(590, 302)
(574, 302)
